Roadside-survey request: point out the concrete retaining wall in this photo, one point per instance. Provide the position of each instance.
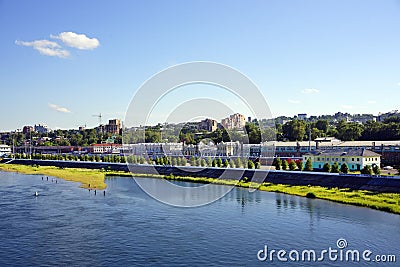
(376, 184)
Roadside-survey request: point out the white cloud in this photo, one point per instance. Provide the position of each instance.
(79, 41)
(310, 91)
(46, 47)
(59, 109)
(371, 102)
(294, 101)
(347, 107)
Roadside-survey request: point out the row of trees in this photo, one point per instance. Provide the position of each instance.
(297, 165)
(299, 130)
(174, 161)
(86, 137)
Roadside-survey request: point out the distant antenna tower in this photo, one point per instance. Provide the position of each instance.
(98, 116)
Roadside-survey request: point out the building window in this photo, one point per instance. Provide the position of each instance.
(358, 159)
(352, 159)
(343, 159)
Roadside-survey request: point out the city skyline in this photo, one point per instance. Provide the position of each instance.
(316, 58)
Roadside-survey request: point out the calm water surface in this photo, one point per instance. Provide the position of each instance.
(67, 225)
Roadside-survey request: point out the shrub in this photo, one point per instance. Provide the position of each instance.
(335, 168)
(299, 164)
(376, 169)
(310, 195)
(344, 168)
(309, 166)
(367, 170)
(292, 166)
(278, 164)
(285, 165)
(250, 164)
(326, 168)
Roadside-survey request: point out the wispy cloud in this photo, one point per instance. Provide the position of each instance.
(46, 47)
(310, 91)
(294, 101)
(371, 102)
(54, 49)
(398, 84)
(59, 109)
(75, 40)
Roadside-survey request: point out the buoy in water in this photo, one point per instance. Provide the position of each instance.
(36, 194)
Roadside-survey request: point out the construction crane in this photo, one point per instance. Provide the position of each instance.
(98, 116)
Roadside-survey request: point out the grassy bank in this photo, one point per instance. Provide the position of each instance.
(388, 202)
(93, 179)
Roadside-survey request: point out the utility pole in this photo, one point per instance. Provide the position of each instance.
(309, 138)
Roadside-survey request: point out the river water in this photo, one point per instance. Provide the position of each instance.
(70, 226)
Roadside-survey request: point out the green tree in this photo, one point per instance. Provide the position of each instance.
(292, 165)
(278, 164)
(335, 168)
(344, 168)
(299, 165)
(209, 162)
(219, 162)
(250, 164)
(203, 162)
(214, 163)
(349, 131)
(294, 130)
(225, 163)
(309, 166)
(231, 163)
(238, 163)
(367, 170)
(322, 125)
(376, 169)
(258, 165)
(285, 165)
(326, 167)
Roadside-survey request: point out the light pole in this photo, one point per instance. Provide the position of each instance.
(30, 144)
(13, 144)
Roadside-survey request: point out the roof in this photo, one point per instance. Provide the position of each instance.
(335, 143)
(353, 152)
(105, 145)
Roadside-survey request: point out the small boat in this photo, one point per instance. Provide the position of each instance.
(36, 194)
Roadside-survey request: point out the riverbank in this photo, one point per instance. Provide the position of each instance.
(89, 179)
(389, 202)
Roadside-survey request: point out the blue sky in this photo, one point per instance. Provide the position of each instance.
(314, 57)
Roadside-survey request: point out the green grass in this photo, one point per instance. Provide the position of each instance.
(389, 202)
(94, 178)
